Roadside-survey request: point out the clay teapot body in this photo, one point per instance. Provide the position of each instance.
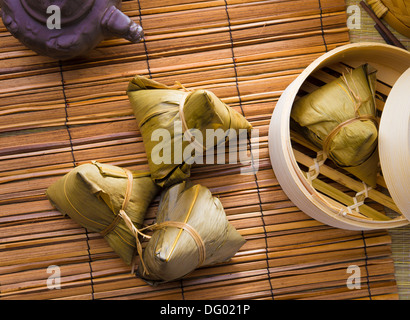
(63, 29)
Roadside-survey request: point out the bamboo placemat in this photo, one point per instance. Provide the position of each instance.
(400, 236)
(56, 115)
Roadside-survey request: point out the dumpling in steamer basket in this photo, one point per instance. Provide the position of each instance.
(340, 119)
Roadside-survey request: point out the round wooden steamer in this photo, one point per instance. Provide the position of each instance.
(394, 143)
(391, 62)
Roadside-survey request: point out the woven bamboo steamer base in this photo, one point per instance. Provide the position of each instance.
(391, 63)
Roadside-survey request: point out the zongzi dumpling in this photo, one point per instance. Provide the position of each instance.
(158, 108)
(340, 118)
(191, 230)
(92, 194)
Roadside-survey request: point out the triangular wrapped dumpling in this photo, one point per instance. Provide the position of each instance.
(340, 118)
(92, 194)
(191, 230)
(159, 108)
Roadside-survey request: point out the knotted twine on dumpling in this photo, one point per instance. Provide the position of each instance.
(340, 118)
(191, 230)
(157, 106)
(94, 194)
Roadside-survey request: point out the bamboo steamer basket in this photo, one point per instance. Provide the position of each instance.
(393, 66)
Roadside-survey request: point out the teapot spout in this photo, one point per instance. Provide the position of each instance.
(116, 23)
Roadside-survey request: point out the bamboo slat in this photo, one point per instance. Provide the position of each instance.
(55, 116)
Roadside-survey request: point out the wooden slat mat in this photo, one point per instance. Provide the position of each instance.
(55, 116)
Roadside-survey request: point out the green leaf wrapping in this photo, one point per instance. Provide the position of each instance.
(354, 146)
(171, 253)
(92, 195)
(156, 106)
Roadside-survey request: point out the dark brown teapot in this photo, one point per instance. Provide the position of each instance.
(63, 29)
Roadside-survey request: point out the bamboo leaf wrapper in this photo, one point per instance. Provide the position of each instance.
(157, 106)
(172, 252)
(92, 194)
(340, 118)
